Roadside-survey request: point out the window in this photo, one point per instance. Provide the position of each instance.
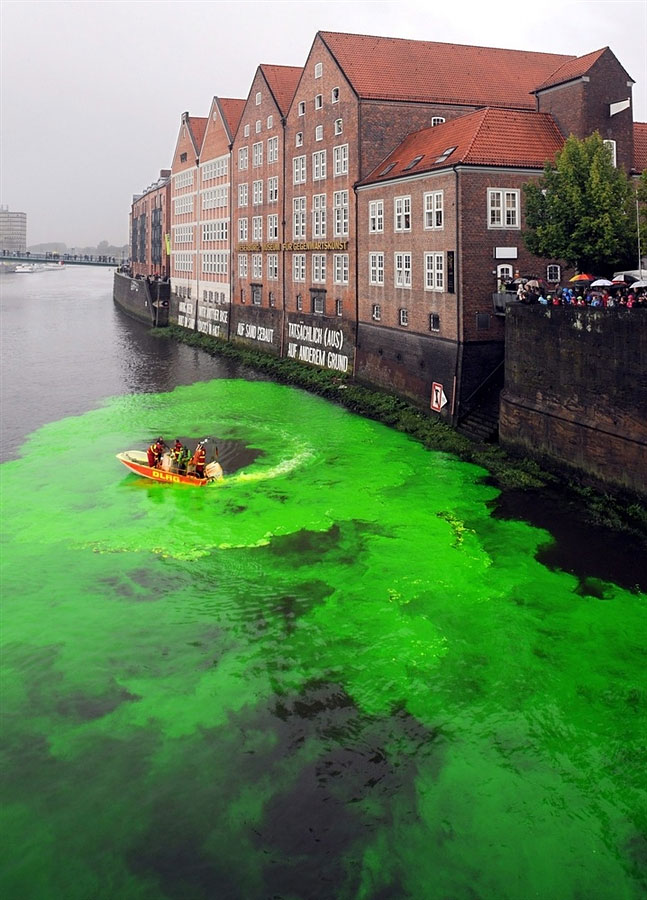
(339, 126)
(376, 216)
(611, 147)
(403, 270)
(182, 157)
(183, 205)
(504, 273)
(503, 208)
(242, 194)
(242, 229)
(434, 322)
(272, 299)
(434, 271)
(376, 268)
(299, 169)
(257, 228)
(318, 215)
(319, 267)
(242, 268)
(272, 227)
(272, 266)
(402, 214)
(318, 302)
(215, 231)
(246, 131)
(403, 316)
(258, 98)
(340, 159)
(243, 157)
(334, 95)
(319, 101)
(340, 268)
(299, 302)
(299, 266)
(301, 109)
(257, 294)
(298, 218)
(273, 189)
(272, 149)
(437, 120)
(443, 156)
(319, 133)
(257, 154)
(319, 165)
(434, 209)
(340, 213)
(257, 265)
(553, 274)
(270, 122)
(299, 139)
(215, 198)
(376, 312)
(257, 193)
(258, 126)
(183, 234)
(414, 162)
(318, 70)
(339, 307)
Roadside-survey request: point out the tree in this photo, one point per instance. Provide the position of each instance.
(580, 210)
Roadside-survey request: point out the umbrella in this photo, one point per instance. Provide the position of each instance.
(532, 283)
(582, 278)
(638, 284)
(623, 278)
(602, 282)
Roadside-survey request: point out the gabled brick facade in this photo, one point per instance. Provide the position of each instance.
(150, 224)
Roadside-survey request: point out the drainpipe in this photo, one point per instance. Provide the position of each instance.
(459, 319)
(198, 242)
(283, 252)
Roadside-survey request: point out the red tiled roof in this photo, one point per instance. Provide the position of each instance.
(231, 110)
(495, 137)
(283, 82)
(573, 68)
(433, 72)
(640, 146)
(197, 127)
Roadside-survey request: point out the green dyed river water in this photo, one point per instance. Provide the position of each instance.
(333, 675)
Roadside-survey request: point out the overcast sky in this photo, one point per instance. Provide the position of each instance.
(92, 92)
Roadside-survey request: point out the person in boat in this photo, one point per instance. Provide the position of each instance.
(155, 452)
(199, 461)
(177, 454)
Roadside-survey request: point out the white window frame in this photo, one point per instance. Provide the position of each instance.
(318, 101)
(402, 270)
(376, 217)
(340, 268)
(301, 108)
(376, 268)
(243, 158)
(376, 312)
(272, 149)
(318, 216)
(242, 265)
(498, 208)
(257, 266)
(242, 229)
(319, 133)
(402, 213)
(243, 194)
(272, 267)
(299, 266)
(553, 266)
(334, 95)
(434, 210)
(340, 213)
(339, 126)
(437, 120)
(612, 148)
(257, 228)
(258, 98)
(273, 189)
(340, 159)
(403, 316)
(434, 271)
(299, 172)
(257, 193)
(298, 218)
(257, 154)
(258, 126)
(273, 227)
(246, 131)
(319, 165)
(318, 70)
(318, 268)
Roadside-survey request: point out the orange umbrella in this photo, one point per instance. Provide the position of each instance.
(582, 278)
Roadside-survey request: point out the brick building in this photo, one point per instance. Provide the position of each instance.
(258, 209)
(185, 217)
(150, 221)
(213, 274)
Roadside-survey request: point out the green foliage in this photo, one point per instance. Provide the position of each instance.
(581, 209)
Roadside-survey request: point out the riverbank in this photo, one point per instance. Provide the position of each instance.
(594, 507)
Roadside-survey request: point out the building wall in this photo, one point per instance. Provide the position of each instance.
(149, 256)
(185, 224)
(576, 393)
(13, 231)
(257, 222)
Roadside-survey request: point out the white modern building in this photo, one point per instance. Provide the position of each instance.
(13, 230)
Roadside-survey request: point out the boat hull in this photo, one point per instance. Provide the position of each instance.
(137, 461)
(148, 302)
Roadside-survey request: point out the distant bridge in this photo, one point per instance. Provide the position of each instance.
(70, 259)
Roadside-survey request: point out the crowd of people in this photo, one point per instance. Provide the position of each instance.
(609, 297)
(182, 460)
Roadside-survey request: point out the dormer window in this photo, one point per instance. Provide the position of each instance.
(299, 139)
(443, 156)
(258, 98)
(437, 120)
(319, 101)
(318, 70)
(302, 108)
(334, 95)
(339, 126)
